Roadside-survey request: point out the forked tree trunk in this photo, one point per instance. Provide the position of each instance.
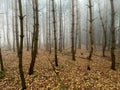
(104, 30)
(112, 34)
(21, 47)
(35, 37)
(55, 37)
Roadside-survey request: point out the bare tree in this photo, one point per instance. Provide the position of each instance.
(49, 27)
(112, 34)
(55, 37)
(35, 36)
(8, 29)
(91, 30)
(1, 60)
(13, 27)
(87, 33)
(72, 32)
(21, 47)
(27, 38)
(104, 30)
(91, 33)
(16, 26)
(60, 17)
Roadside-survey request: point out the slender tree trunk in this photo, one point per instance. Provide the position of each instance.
(8, 41)
(87, 32)
(49, 28)
(104, 30)
(112, 34)
(55, 37)
(16, 27)
(13, 28)
(91, 34)
(72, 32)
(91, 31)
(35, 38)
(60, 40)
(21, 47)
(1, 61)
(47, 25)
(27, 38)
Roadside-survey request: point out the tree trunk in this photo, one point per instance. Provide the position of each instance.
(55, 38)
(35, 37)
(60, 40)
(72, 32)
(13, 28)
(91, 34)
(8, 39)
(104, 30)
(87, 32)
(49, 28)
(91, 31)
(112, 35)
(21, 48)
(16, 27)
(27, 38)
(1, 61)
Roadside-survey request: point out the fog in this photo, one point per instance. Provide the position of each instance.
(7, 7)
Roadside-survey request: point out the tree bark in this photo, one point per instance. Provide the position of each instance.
(104, 30)
(72, 32)
(13, 28)
(60, 40)
(27, 38)
(49, 28)
(112, 35)
(21, 47)
(35, 37)
(55, 37)
(91, 31)
(1, 61)
(16, 27)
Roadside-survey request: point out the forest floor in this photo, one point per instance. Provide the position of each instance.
(69, 75)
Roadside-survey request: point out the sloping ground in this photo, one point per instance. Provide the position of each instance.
(70, 75)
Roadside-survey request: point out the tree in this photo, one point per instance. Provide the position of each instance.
(91, 33)
(72, 32)
(47, 25)
(21, 47)
(35, 36)
(91, 30)
(49, 29)
(1, 60)
(13, 27)
(60, 32)
(104, 30)
(8, 30)
(112, 34)
(16, 26)
(55, 37)
(27, 38)
(87, 33)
